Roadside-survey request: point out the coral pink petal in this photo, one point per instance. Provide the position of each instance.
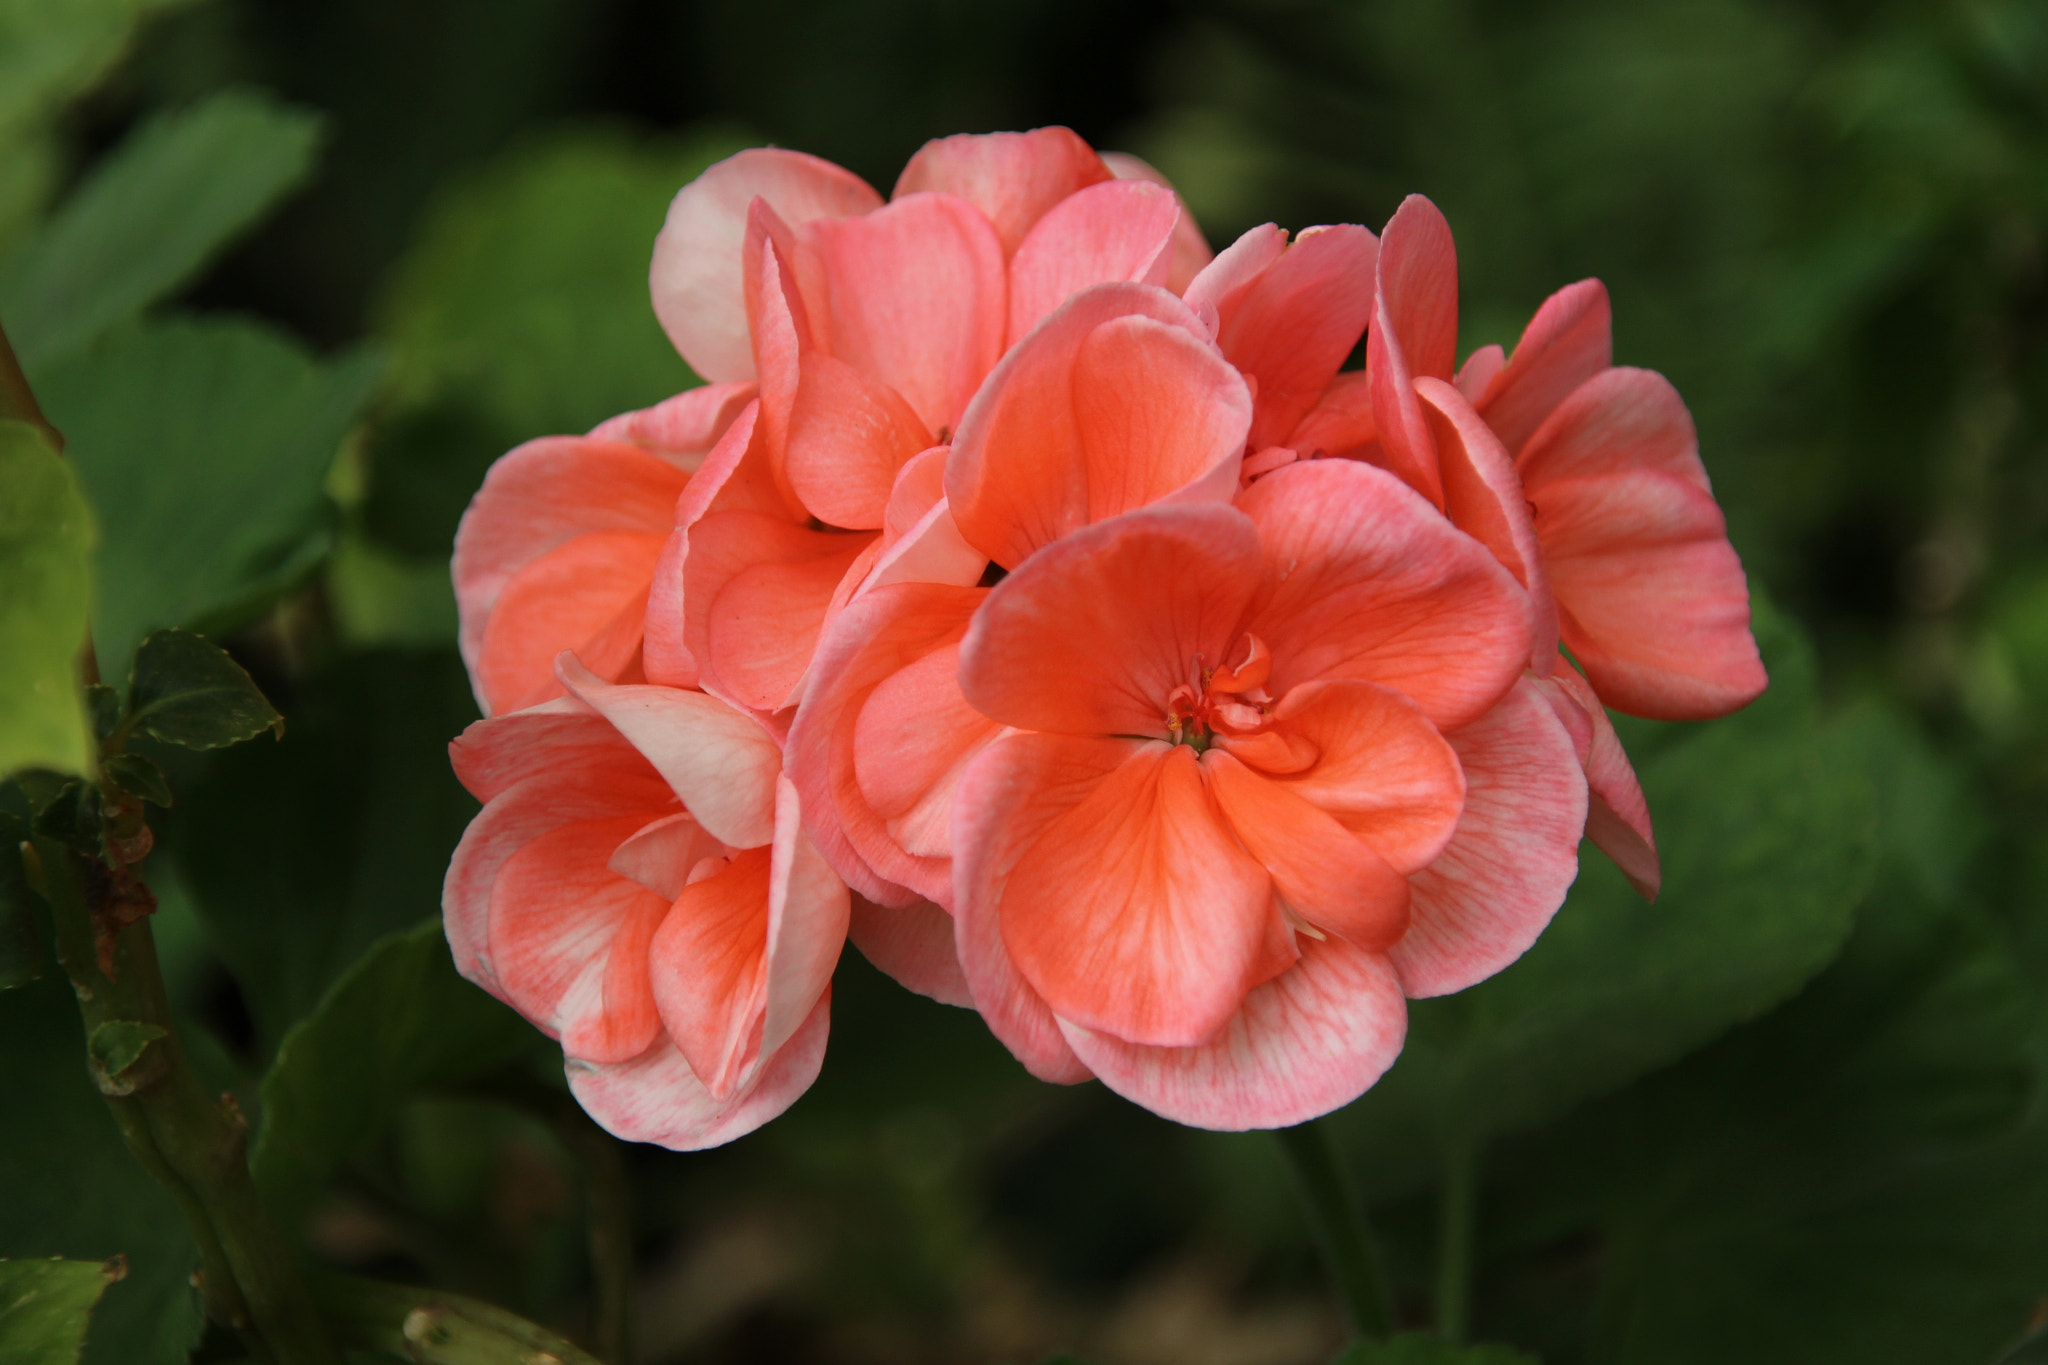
(1124, 898)
(568, 939)
(917, 299)
(808, 907)
(545, 494)
(590, 591)
(848, 435)
(1191, 251)
(914, 945)
(661, 854)
(1309, 1041)
(708, 962)
(560, 787)
(1374, 763)
(1116, 400)
(1568, 342)
(1298, 321)
(1479, 369)
(697, 272)
(1323, 873)
(1227, 278)
(1118, 230)
(756, 592)
(913, 740)
(1617, 818)
(1651, 597)
(1013, 178)
(718, 760)
(877, 634)
(657, 1098)
(1414, 335)
(491, 756)
(1484, 498)
(1480, 905)
(1618, 420)
(681, 429)
(1341, 422)
(1095, 632)
(1365, 580)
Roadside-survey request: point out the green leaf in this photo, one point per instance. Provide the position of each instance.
(400, 1020)
(73, 1189)
(522, 309)
(299, 856)
(53, 50)
(1425, 1348)
(1766, 830)
(149, 216)
(139, 777)
(45, 1307)
(46, 537)
(187, 691)
(103, 704)
(203, 444)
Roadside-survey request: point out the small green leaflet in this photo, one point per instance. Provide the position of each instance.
(46, 1305)
(187, 691)
(46, 536)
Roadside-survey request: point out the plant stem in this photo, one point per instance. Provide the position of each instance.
(195, 1145)
(1457, 1218)
(608, 1198)
(436, 1328)
(1348, 1246)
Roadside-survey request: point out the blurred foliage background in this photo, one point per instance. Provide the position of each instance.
(289, 276)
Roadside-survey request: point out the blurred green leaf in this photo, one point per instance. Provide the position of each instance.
(46, 536)
(1425, 1348)
(399, 1021)
(139, 776)
(46, 1306)
(186, 691)
(301, 855)
(51, 50)
(1766, 832)
(522, 310)
(149, 216)
(74, 1190)
(203, 445)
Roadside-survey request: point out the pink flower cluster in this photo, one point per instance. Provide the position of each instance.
(1036, 600)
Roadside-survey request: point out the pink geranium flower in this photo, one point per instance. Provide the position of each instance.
(640, 886)
(1224, 831)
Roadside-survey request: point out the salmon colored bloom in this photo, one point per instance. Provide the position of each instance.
(639, 885)
(1197, 863)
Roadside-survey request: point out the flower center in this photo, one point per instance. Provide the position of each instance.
(1231, 699)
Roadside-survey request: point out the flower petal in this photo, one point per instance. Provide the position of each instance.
(588, 595)
(914, 945)
(1324, 874)
(681, 429)
(913, 740)
(1295, 324)
(1118, 230)
(848, 436)
(708, 963)
(1617, 817)
(1651, 597)
(696, 274)
(1568, 342)
(1619, 419)
(808, 907)
(1414, 334)
(1013, 178)
(656, 1098)
(916, 299)
(1483, 497)
(718, 760)
(756, 592)
(1481, 904)
(1311, 1040)
(1095, 632)
(877, 634)
(1190, 248)
(1115, 401)
(1363, 579)
(1379, 767)
(1124, 899)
